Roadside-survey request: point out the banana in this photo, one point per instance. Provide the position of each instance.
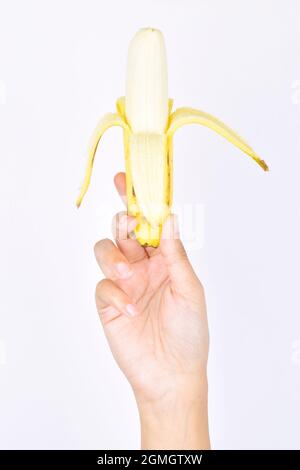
(145, 114)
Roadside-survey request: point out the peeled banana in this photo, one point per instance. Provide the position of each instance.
(145, 114)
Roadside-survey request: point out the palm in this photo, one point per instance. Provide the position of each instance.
(169, 335)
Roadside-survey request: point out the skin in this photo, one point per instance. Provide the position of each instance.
(152, 308)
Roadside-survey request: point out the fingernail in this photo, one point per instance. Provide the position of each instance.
(131, 310)
(132, 222)
(123, 270)
(123, 220)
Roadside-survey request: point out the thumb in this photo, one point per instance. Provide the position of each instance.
(180, 270)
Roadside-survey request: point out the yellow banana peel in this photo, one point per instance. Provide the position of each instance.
(145, 114)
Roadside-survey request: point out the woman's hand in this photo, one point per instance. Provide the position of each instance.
(152, 308)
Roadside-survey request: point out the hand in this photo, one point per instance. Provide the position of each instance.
(152, 308)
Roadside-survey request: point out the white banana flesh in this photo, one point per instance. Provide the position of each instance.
(145, 114)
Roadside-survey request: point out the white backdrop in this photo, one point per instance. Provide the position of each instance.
(62, 65)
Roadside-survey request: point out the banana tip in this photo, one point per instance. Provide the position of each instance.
(264, 166)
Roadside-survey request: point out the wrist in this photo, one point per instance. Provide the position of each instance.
(179, 418)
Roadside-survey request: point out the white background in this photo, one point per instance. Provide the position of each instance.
(62, 66)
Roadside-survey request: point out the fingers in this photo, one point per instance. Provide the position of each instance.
(122, 226)
(112, 262)
(112, 301)
(179, 267)
(120, 183)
